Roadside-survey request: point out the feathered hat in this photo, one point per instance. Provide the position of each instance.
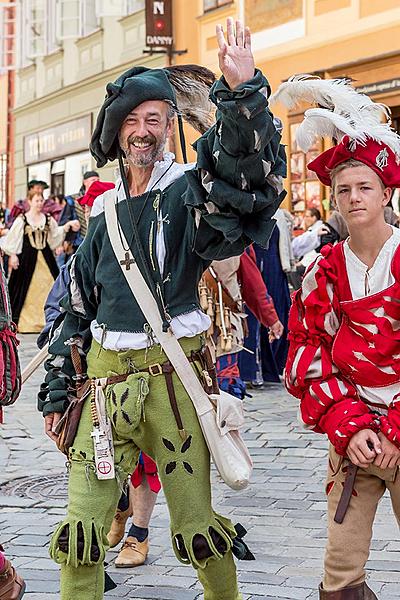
(361, 127)
(186, 87)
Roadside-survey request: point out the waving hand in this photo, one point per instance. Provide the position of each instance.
(236, 60)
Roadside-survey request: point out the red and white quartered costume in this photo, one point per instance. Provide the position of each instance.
(344, 359)
(344, 366)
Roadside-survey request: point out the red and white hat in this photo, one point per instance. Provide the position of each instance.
(378, 156)
(348, 116)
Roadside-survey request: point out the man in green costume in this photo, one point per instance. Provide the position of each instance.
(186, 216)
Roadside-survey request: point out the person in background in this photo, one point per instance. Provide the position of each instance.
(73, 210)
(89, 177)
(4, 212)
(35, 186)
(29, 245)
(306, 246)
(268, 360)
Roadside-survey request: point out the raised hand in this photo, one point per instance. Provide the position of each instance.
(236, 60)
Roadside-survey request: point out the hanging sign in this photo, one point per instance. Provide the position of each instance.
(159, 23)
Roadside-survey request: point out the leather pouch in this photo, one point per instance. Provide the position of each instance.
(67, 426)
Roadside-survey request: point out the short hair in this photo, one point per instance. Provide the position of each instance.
(349, 164)
(314, 213)
(89, 174)
(34, 182)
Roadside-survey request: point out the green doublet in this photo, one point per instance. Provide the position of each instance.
(212, 212)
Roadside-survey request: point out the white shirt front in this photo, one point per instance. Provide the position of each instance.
(186, 325)
(366, 282)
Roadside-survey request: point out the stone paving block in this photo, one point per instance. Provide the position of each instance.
(38, 586)
(164, 594)
(32, 551)
(121, 591)
(34, 574)
(33, 540)
(43, 564)
(162, 580)
(383, 565)
(262, 578)
(14, 501)
(279, 591)
(42, 596)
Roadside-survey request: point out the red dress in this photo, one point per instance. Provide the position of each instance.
(337, 343)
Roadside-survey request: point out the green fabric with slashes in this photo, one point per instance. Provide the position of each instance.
(184, 470)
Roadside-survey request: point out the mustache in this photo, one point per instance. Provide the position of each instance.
(147, 139)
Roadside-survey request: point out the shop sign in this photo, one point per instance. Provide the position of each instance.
(59, 141)
(380, 87)
(159, 23)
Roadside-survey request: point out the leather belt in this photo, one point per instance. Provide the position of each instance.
(206, 375)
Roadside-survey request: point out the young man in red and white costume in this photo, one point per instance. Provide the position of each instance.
(344, 358)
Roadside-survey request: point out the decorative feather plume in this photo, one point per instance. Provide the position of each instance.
(342, 111)
(192, 85)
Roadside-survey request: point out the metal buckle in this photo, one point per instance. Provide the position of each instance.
(155, 370)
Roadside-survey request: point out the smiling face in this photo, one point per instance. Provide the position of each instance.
(144, 132)
(36, 202)
(360, 196)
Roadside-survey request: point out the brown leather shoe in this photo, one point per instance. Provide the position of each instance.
(117, 530)
(356, 592)
(133, 553)
(12, 586)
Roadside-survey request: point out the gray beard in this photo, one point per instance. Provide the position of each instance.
(148, 159)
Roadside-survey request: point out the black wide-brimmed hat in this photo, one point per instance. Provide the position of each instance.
(186, 87)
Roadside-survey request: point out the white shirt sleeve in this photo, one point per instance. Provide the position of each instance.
(305, 242)
(56, 234)
(12, 242)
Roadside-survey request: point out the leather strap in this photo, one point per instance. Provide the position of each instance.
(347, 492)
(168, 369)
(148, 305)
(212, 284)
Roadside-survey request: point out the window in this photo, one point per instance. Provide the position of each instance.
(118, 8)
(76, 18)
(211, 4)
(38, 32)
(8, 35)
(133, 6)
(305, 188)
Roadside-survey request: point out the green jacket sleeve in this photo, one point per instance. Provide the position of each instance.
(79, 307)
(236, 186)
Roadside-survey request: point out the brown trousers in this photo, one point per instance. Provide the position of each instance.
(348, 543)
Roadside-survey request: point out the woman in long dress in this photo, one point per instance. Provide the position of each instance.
(30, 244)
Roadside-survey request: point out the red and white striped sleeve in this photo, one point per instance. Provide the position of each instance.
(329, 403)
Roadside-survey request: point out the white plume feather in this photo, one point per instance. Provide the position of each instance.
(320, 122)
(342, 111)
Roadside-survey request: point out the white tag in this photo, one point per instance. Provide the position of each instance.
(102, 438)
(103, 454)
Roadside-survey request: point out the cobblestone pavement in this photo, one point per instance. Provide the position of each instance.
(283, 510)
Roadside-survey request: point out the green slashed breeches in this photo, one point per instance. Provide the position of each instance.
(142, 418)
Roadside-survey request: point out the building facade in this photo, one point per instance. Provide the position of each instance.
(331, 38)
(75, 47)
